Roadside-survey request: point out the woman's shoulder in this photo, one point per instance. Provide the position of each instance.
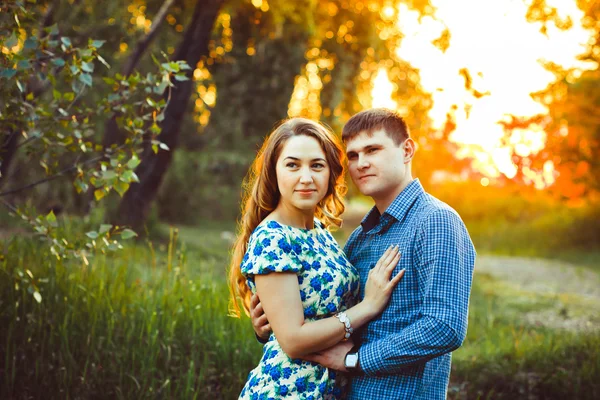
(269, 229)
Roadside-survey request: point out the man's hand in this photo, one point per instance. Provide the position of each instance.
(332, 357)
(260, 323)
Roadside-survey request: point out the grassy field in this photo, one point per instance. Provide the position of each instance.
(151, 322)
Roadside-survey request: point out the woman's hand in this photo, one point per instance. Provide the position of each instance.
(379, 287)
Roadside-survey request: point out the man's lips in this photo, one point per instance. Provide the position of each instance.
(364, 176)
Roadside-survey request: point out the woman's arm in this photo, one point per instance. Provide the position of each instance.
(280, 297)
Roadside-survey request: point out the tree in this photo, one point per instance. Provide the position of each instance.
(134, 207)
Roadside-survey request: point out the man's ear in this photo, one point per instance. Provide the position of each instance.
(410, 147)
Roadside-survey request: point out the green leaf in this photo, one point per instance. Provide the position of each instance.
(23, 64)
(105, 228)
(86, 79)
(163, 146)
(66, 41)
(59, 62)
(51, 219)
(107, 175)
(181, 78)
(30, 43)
(7, 73)
(56, 94)
(128, 234)
(69, 96)
(121, 187)
(20, 86)
(109, 81)
(134, 162)
(87, 66)
(37, 296)
(99, 194)
(74, 69)
(98, 43)
(52, 30)
(103, 61)
(12, 41)
(92, 234)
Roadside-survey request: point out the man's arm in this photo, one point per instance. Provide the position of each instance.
(444, 257)
(260, 323)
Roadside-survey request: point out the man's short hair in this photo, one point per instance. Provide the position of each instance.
(375, 119)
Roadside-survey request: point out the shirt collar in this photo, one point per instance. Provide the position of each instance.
(399, 207)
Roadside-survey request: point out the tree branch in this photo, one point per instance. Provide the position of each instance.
(55, 176)
(143, 44)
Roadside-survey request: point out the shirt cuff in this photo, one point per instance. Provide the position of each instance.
(369, 359)
(261, 340)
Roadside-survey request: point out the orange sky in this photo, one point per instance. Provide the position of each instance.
(502, 52)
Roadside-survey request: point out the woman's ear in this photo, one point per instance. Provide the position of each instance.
(409, 147)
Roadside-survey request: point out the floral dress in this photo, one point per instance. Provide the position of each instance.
(328, 284)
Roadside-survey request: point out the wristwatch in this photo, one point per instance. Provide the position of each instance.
(351, 360)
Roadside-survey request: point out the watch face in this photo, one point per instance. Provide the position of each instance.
(351, 360)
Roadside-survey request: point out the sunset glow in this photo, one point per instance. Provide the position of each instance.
(502, 53)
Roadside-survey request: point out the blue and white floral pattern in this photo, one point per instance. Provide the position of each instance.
(328, 284)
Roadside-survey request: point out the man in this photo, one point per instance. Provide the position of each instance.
(405, 352)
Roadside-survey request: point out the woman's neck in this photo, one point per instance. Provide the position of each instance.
(294, 217)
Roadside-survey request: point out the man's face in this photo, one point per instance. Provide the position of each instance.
(377, 165)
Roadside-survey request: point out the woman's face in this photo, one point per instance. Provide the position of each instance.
(302, 173)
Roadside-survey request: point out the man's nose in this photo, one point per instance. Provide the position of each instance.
(362, 162)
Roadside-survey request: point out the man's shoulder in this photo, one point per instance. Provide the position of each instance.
(432, 207)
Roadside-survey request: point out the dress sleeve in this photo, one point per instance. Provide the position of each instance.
(271, 250)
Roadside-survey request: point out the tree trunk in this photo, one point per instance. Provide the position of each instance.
(135, 205)
(8, 148)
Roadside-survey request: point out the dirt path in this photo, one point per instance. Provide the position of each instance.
(543, 276)
(571, 294)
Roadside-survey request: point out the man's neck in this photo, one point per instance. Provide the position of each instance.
(384, 202)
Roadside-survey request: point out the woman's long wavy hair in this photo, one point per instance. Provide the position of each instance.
(261, 194)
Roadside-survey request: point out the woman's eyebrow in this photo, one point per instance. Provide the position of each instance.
(298, 159)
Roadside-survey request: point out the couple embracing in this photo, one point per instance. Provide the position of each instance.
(377, 320)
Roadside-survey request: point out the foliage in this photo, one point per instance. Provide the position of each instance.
(569, 159)
(47, 80)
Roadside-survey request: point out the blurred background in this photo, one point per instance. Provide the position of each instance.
(139, 119)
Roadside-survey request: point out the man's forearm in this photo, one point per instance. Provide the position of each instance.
(426, 339)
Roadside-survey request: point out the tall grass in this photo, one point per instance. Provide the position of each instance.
(130, 326)
(151, 322)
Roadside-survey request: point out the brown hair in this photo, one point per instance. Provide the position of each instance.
(261, 194)
(375, 119)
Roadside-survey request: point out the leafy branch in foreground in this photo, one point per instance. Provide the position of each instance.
(52, 99)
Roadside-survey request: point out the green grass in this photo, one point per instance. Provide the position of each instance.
(151, 322)
(504, 357)
(126, 326)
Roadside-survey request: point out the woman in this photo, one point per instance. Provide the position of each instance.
(286, 254)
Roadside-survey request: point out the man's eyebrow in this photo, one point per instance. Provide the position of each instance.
(364, 148)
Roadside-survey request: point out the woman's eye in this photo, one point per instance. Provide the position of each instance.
(318, 165)
(291, 165)
(371, 150)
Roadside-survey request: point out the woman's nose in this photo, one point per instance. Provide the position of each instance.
(306, 176)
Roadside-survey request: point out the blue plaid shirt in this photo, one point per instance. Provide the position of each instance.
(405, 352)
